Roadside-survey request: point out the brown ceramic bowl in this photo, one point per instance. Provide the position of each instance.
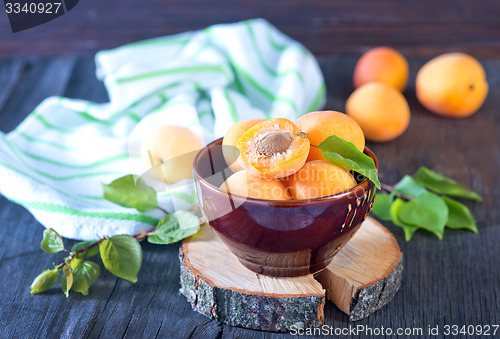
(275, 237)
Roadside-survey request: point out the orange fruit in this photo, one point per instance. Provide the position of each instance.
(248, 185)
(273, 148)
(381, 64)
(233, 134)
(380, 110)
(168, 153)
(453, 85)
(320, 125)
(320, 178)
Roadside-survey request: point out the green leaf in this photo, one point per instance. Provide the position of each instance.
(84, 276)
(344, 153)
(407, 228)
(427, 211)
(122, 256)
(175, 227)
(44, 281)
(127, 192)
(459, 216)
(443, 185)
(90, 253)
(75, 262)
(382, 206)
(51, 241)
(67, 280)
(409, 187)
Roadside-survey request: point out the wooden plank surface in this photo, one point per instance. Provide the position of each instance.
(423, 27)
(453, 281)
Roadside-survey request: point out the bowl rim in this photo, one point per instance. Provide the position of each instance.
(362, 186)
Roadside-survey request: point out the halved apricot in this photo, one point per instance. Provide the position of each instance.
(274, 148)
(233, 134)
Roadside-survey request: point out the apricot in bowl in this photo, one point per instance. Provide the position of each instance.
(273, 148)
(278, 237)
(233, 134)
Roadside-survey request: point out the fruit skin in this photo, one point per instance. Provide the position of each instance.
(382, 64)
(173, 147)
(248, 185)
(452, 84)
(279, 165)
(320, 178)
(380, 110)
(232, 136)
(320, 125)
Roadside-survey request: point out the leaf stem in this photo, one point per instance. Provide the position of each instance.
(82, 250)
(162, 209)
(386, 187)
(139, 236)
(390, 189)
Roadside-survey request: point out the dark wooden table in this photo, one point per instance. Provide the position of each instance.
(453, 281)
(417, 27)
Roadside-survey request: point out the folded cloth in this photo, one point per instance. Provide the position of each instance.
(55, 161)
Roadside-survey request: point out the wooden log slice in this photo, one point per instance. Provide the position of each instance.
(366, 274)
(218, 286)
(362, 278)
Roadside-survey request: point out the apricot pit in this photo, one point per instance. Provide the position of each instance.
(272, 143)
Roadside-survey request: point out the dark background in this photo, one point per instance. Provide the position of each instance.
(455, 281)
(415, 27)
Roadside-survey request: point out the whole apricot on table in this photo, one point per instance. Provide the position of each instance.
(320, 178)
(233, 134)
(273, 148)
(248, 185)
(453, 85)
(321, 125)
(382, 64)
(168, 153)
(380, 110)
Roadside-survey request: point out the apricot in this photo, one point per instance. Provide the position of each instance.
(453, 85)
(248, 185)
(233, 134)
(168, 153)
(381, 64)
(273, 148)
(380, 110)
(320, 125)
(320, 178)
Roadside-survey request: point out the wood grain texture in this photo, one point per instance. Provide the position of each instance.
(362, 278)
(423, 27)
(218, 286)
(366, 274)
(453, 281)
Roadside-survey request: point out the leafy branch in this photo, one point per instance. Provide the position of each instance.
(120, 254)
(423, 201)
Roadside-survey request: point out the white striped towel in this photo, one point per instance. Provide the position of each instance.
(54, 162)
